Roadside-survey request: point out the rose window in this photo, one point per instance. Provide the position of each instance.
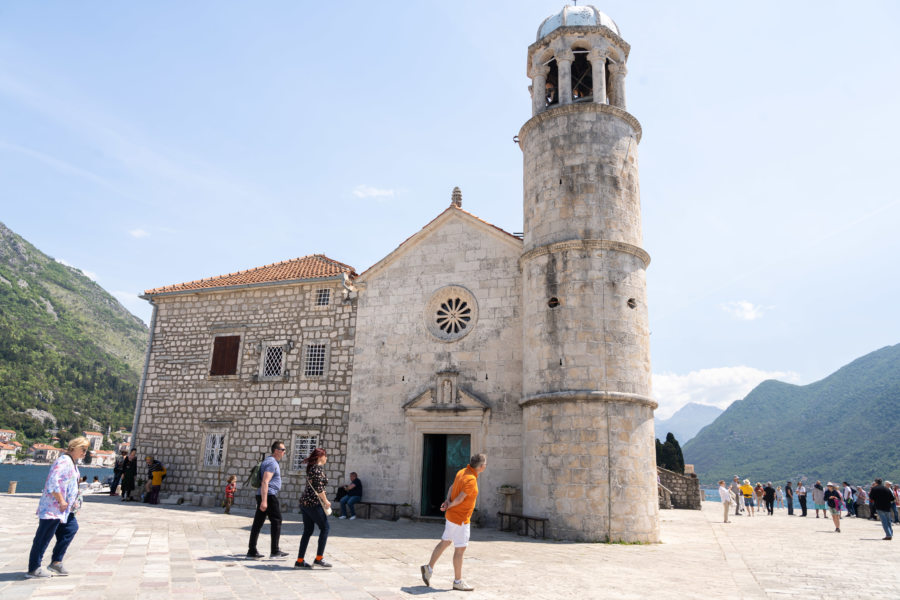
(454, 315)
(451, 313)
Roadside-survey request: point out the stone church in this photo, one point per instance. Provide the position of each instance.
(532, 348)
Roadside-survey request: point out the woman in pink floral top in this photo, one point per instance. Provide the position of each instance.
(60, 501)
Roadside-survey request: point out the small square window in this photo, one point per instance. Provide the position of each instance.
(304, 444)
(323, 297)
(214, 451)
(315, 360)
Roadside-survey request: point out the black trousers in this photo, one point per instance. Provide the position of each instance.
(273, 512)
(313, 516)
(770, 506)
(802, 505)
(790, 504)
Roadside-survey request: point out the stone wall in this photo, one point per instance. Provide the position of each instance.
(686, 492)
(183, 403)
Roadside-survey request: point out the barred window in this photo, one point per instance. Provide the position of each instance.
(215, 449)
(315, 360)
(323, 297)
(273, 361)
(304, 444)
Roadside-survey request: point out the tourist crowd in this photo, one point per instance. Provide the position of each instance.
(877, 501)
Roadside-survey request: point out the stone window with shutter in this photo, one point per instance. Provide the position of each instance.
(225, 355)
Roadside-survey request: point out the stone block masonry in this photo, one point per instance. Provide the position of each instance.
(205, 427)
(686, 492)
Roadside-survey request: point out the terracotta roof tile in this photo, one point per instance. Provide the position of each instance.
(92, 433)
(314, 266)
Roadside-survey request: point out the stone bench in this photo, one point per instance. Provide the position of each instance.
(514, 522)
(395, 508)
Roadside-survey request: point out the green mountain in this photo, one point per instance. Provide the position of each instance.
(844, 427)
(67, 348)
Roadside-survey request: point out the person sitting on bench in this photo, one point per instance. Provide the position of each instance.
(354, 494)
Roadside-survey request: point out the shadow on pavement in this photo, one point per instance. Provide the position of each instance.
(421, 589)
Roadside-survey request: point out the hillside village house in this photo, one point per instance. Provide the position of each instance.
(7, 435)
(95, 438)
(44, 453)
(103, 458)
(466, 338)
(7, 452)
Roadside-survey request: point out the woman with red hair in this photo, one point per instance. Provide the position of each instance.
(313, 505)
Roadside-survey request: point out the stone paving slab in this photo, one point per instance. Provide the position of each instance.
(128, 551)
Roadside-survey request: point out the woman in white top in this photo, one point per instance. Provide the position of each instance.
(726, 496)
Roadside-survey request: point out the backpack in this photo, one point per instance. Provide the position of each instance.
(254, 479)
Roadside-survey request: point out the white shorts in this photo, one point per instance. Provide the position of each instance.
(458, 534)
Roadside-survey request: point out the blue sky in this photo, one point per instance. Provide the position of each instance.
(153, 143)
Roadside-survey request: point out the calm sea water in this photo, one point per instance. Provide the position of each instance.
(31, 478)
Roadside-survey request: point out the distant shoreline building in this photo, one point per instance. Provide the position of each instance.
(464, 339)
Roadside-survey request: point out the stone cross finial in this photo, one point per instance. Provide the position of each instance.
(456, 198)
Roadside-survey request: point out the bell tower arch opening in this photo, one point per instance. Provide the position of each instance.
(582, 77)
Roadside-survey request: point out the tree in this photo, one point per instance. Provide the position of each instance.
(669, 455)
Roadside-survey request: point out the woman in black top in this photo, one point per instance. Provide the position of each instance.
(769, 497)
(833, 501)
(313, 503)
(129, 473)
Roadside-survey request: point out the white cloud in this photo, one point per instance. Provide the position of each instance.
(718, 386)
(138, 233)
(367, 191)
(744, 310)
(89, 274)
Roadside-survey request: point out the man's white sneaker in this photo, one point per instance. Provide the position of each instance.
(353, 517)
(342, 517)
(58, 569)
(462, 586)
(426, 574)
(38, 573)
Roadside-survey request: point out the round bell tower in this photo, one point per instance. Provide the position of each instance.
(589, 452)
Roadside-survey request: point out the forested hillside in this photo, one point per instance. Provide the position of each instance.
(67, 347)
(845, 426)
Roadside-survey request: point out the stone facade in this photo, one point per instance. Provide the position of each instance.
(412, 380)
(685, 489)
(184, 408)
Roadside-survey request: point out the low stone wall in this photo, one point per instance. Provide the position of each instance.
(686, 492)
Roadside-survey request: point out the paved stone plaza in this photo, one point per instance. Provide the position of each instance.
(125, 551)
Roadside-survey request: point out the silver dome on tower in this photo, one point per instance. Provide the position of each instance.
(576, 16)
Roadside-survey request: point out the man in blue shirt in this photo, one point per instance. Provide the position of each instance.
(267, 503)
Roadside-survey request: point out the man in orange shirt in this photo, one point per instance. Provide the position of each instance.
(458, 509)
